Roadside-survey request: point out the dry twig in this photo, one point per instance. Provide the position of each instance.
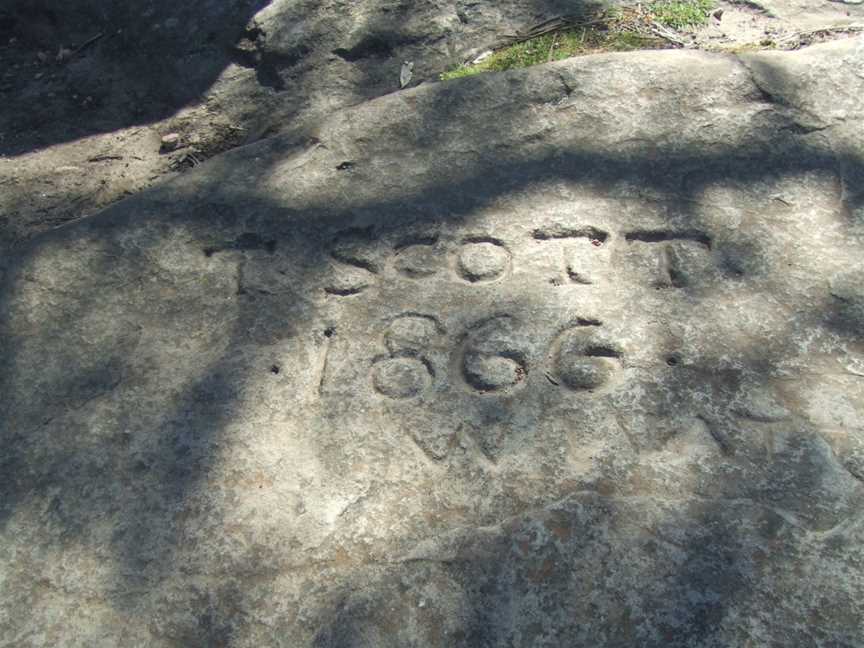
(824, 31)
(87, 43)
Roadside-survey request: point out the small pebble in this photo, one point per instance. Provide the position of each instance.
(170, 141)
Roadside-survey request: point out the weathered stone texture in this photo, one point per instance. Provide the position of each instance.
(569, 356)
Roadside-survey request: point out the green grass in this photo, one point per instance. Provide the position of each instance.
(555, 47)
(679, 14)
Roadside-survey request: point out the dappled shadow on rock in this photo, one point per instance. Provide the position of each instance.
(485, 363)
(589, 570)
(85, 67)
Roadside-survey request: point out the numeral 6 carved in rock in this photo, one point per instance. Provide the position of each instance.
(583, 359)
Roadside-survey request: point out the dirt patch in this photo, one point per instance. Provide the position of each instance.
(88, 88)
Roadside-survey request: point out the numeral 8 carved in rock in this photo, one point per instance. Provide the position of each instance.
(404, 372)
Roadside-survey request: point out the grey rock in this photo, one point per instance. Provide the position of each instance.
(226, 74)
(548, 365)
(406, 73)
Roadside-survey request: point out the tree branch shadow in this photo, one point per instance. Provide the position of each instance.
(148, 469)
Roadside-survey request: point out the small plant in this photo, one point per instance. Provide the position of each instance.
(680, 14)
(612, 35)
(462, 71)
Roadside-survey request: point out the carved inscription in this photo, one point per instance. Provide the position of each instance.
(664, 258)
(404, 371)
(670, 258)
(358, 263)
(584, 250)
(482, 260)
(503, 358)
(584, 358)
(418, 257)
(492, 358)
(402, 375)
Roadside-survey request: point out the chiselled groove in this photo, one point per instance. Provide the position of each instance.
(343, 292)
(553, 232)
(483, 259)
(324, 361)
(415, 240)
(601, 351)
(578, 278)
(431, 318)
(719, 438)
(401, 375)
(484, 239)
(417, 256)
(410, 354)
(579, 322)
(357, 262)
(660, 236)
(246, 241)
(344, 249)
(489, 360)
(494, 372)
(479, 324)
(677, 279)
(583, 358)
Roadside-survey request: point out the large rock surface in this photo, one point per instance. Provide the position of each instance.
(79, 132)
(569, 356)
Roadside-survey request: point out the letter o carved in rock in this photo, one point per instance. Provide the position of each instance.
(483, 261)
